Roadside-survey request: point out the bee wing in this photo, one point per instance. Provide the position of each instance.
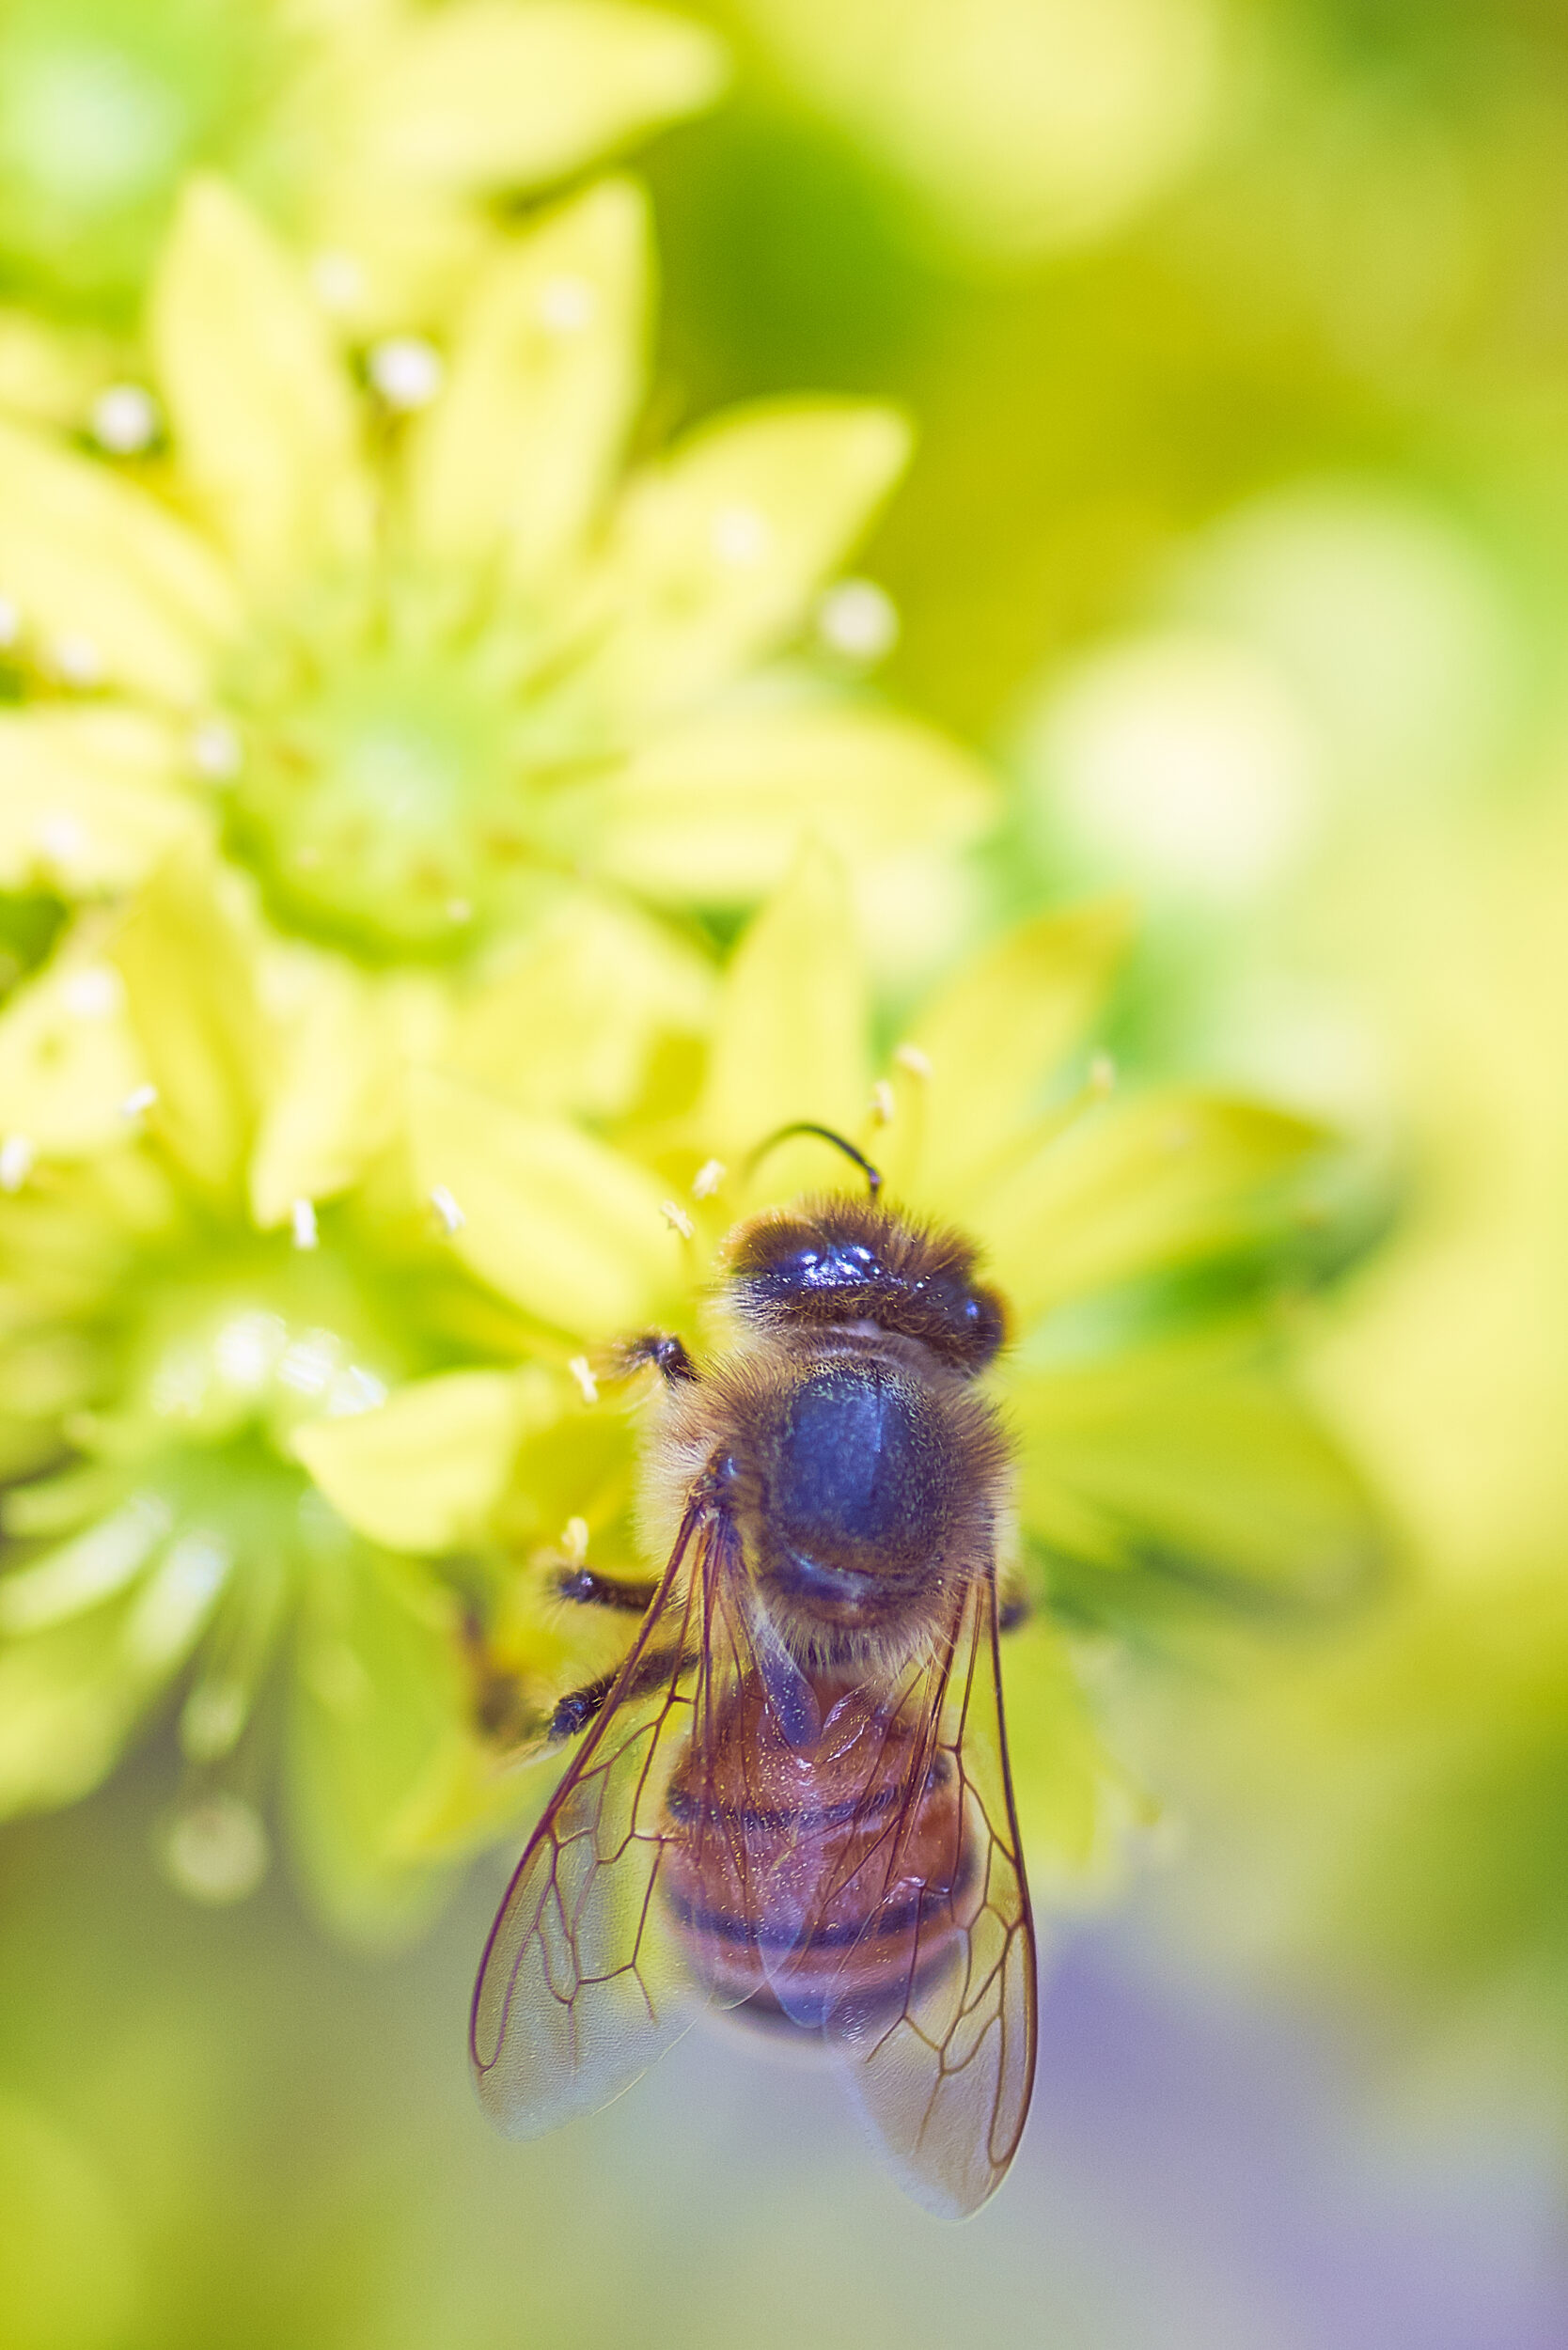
(941, 2061)
(581, 1985)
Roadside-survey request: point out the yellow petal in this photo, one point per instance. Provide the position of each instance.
(789, 1037)
(89, 799)
(49, 374)
(481, 94)
(377, 1687)
(68, 1706)
(67, 1058)
(1137, 1187)
(261, 409)
(425, 1470)
(716, 811)
(593, 989)
(335, 1097)
(103, 577)
(996, 1033)
(188, 976)
(569, 1230)
(1190, 1471)
(544, 380)
(716, 552)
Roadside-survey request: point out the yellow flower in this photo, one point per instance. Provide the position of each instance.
(430, 672)
(162, 1358)
(375, 132)
(1161, 1447)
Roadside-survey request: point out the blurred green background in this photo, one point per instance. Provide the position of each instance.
(1237, 339)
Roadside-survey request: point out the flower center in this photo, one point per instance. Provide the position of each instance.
(251, 1344)
(397, 781)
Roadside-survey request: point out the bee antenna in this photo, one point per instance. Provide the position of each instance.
(823, 1134)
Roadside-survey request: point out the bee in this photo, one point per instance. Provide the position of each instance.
(793, 1798)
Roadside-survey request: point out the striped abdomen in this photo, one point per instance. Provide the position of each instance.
(801, 1878)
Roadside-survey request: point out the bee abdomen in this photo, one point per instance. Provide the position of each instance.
(792, 1909)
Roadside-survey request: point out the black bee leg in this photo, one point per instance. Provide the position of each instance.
(575, 1711)
(633, 1597)
(578, 1708)
(667, 1356)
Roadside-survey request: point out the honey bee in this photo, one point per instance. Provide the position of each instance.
(793, 1799)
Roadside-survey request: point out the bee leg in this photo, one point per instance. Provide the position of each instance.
(667, 1356)
(575, 1711)
(590, 1589)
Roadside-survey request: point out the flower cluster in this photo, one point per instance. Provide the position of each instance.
(388, 742)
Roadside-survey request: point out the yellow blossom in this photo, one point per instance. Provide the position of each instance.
(162, 1358)
(446, 681)
(375, 132)
(341, 1460)
(1162, 1451)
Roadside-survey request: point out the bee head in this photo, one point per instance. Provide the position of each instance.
(831, 1262)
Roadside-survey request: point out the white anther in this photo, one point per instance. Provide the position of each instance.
(708, 1178)
(582, 1370)
(859, 620)
(16, 1162)
(740, 533)
(138, 1101)
(1102, 1073)
(459, 909)
(449, 1214)
(566, 304)
(1180, 1135)
(124, 419)
(911, 1058)
(407, 372)
(339, 281)
(75, 660)
(301, 1222)
(215, 751)
(93, 992)
(677, 1218)
(881, 1101)
(10, 623)
(574, 1541)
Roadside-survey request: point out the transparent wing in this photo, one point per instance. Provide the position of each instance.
(939, 2046)
(582, 1984)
